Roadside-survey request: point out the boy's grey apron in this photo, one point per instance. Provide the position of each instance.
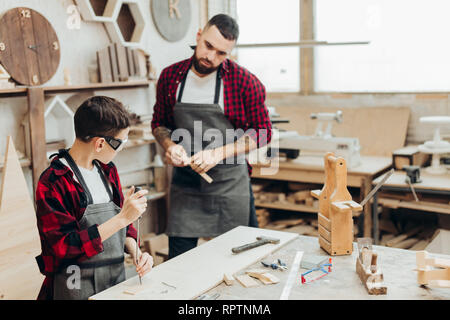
(197, 208)
(102, 270)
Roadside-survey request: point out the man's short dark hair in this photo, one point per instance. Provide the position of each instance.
(100, 116)
(227, 26)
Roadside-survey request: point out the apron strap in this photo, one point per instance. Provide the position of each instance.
(216, 93)
(65, 154)
(105, 183)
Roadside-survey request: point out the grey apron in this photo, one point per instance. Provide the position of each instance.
(102, 270)
(197, 208)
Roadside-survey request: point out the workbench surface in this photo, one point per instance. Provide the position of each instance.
(342, 283)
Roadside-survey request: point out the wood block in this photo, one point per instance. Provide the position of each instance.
(440, 242)
(300, 196)
(104, 66)
(228, 279)
(372, 281)
(263, 275)
(122, 62)
(19, 238)
(114, 62)
(439, 283)
(130, 60)
(246, 281)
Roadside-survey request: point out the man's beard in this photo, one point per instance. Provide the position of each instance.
(200, 68)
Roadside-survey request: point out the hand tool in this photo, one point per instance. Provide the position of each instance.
(260, 241)
(280, 265)
(137, 189)
(378, 186)
(408, 180)
(413, 173)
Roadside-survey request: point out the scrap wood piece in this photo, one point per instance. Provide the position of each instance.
(427, 275)
(228, 279)
(247, 281)
(263, 275)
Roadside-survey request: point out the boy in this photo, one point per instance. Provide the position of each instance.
(83, 219)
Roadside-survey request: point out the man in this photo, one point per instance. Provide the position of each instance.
(82, 227)
(190, 99)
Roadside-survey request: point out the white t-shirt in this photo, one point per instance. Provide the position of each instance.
(201, 89)
(94, 183)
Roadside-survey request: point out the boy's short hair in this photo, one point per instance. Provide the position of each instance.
(100, 116)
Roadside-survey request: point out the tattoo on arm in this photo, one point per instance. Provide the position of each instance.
(162, 135)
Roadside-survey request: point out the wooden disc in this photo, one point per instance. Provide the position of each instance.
(29, 46)
(171, 26)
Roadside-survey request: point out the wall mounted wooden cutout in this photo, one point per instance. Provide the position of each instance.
(172, 18)
(127, 24)
(29, 46)
(19, 239)
(97, 10)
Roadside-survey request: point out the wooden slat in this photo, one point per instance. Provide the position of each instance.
(113, 62)
(36, 107)
(104, 66)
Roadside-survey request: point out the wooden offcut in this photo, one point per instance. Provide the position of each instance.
(434, 272)
(19, 239)
(104, 65)
(370, 273)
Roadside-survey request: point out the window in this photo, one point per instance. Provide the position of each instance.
(409, 49)
(276, 23)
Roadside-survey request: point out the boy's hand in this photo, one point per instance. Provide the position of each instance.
(134, 205)
(145, 264)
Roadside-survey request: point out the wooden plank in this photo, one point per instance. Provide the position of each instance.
(36, 106)
(247, 281)
(406, 244)
(440, 242)
(104, 66)
(19, 239)
(130, 60)
(122, 62)
(189, 273)
(114, 63)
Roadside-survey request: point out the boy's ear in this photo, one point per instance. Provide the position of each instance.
(99, 144)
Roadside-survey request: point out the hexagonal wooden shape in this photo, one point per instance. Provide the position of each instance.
(127, 25)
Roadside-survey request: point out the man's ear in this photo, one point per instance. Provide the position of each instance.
(199, 33)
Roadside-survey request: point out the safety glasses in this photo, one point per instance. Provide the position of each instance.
(113, 142)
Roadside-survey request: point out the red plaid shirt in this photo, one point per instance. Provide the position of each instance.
(60, 204)
(244, 99)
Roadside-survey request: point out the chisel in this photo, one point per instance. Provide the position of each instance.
(137, 189)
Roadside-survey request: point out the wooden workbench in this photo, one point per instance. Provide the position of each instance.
(343, 282)
(309, 169)
(435, 189)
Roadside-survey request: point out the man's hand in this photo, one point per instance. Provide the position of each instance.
(203, 161)
(177, 156)
(145, 264)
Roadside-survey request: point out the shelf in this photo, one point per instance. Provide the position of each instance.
(24, 163)
(22, 91)
(286, 206)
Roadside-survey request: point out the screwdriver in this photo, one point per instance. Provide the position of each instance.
(137, 189)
